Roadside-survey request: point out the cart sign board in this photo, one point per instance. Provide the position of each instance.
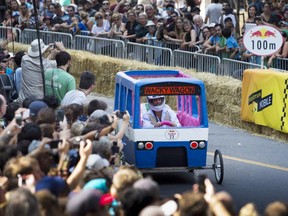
(263, 40)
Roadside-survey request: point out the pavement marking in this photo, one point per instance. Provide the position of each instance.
(251, 162)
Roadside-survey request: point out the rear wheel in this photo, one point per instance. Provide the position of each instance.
(218, 166)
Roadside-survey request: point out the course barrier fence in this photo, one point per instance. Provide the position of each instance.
(154, 52)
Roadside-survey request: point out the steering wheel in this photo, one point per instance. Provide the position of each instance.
(168, 123)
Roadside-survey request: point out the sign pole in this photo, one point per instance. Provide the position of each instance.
(262, 62)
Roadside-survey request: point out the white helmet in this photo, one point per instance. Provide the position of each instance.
(159, 107)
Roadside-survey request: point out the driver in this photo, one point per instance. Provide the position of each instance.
(159, 115)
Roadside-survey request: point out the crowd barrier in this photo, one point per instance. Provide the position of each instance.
(153, 52)
(4, 33)
(150, 54)
(101, 46)
(235, 69)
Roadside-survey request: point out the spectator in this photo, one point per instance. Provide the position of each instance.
(105, 6)
(213, 12)
(70, 22)
(96, 5)
(232, 47)
(150, 37)
(189, 37)
(17, 76)
(178, 32)
(229, 24)
(127, 7)
(206, 34)
(60, 16)
(83, 25)
(130, 27)
(49, 9)
(57, 80)
(3, 105)
(199, 25)
(118, 27)
(96, 104)
(31, 70)
(259, 5)
(79, 96)
(22, 202)
(101, 27)
(266, 15)
(252, 11)
(108, 16)
(47, 24)
(88, 4)
(118, 6)
(141, 29)
(276, 209)
(227, 11)
(151, 13)
(139, 9)
(24, 16)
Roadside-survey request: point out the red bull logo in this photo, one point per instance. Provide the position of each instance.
(263, 33)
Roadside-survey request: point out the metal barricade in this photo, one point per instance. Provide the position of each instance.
(150, 54)
(102, 46)
(28, 35)
(235, 69)
(280, 64)
(172, 45)
(5, 31)
(198, 61)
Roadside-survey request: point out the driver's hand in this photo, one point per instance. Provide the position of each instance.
(158, 124)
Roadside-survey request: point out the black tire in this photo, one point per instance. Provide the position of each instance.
(218, 166)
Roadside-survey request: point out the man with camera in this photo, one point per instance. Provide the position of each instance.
(32, 82)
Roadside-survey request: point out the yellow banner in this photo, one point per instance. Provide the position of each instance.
(265, 98)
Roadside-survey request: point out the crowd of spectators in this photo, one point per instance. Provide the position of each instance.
(157, 23)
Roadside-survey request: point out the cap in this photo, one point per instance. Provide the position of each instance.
(98, 184)
(96, 162)
(211, 25)
(227, 19)
(35, 106)
(195, 9)
(98, 114)
(150, 23)
(55, 185)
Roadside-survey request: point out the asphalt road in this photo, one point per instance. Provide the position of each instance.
(256, 167)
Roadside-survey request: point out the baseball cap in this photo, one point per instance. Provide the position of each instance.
(56, 185)
(35, 106)
(96, 162)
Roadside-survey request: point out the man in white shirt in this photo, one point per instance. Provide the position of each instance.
(213, 12)
(79, 96)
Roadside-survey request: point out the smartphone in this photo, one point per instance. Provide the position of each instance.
(54, 144)
(120, 114)
(258, 18)
(59, 115)
(201, 183)
(114, 148)
(18, 118)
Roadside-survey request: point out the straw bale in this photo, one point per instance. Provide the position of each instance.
(223, 93)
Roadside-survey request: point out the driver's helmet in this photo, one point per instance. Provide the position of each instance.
(159, 107)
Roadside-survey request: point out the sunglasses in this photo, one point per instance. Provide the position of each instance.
(140, 8)
(99, 17)
(127, 5)
(107, 15)
(105, 3)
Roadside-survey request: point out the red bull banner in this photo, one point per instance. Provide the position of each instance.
(265, 98)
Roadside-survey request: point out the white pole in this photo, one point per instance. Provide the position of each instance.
(262, 62)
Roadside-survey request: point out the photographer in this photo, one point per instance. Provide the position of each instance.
(31, 68)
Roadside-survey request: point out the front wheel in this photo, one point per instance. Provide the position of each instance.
(218, 166)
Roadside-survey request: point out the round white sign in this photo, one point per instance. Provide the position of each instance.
(263, 40)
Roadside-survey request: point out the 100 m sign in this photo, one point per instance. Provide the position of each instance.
(263, 40)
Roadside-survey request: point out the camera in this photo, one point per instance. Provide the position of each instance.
(59, 115)
(120, 114)
(114, 148)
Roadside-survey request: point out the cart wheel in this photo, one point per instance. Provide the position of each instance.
(218, 166)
